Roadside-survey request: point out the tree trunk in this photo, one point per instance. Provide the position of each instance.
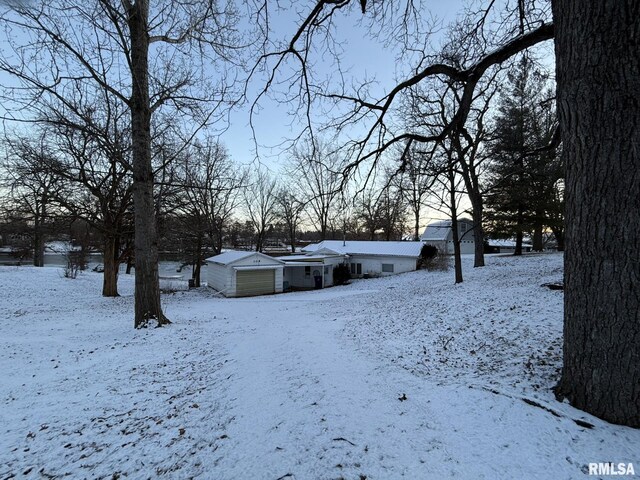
(519, 233)
(292, 239)
(111, 267)
(477, 212)
(457, 258)
(147, 287)
(598, 74)
(558, 233)
(537, 233)
(416, 227)
(537, 239)
(195, 274)
(38, 244)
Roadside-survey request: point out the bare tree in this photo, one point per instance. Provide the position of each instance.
(415, 179)
(108, 43)
(209, 187)
(318, 172)
(32, 187)
(260, 204)
(289, 211)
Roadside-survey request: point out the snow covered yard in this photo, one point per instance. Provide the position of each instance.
(407, 376)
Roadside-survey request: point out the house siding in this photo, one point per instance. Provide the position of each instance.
(217, 277)
(372, 265)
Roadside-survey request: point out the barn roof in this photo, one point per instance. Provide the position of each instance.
(438, 231)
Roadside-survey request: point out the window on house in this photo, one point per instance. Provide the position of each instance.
(356, 269)
(387, 267)
(307, 271)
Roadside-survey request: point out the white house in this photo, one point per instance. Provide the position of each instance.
(311, 269)
(440, 235)
(506, 246)
(369, 258)
(244, 274)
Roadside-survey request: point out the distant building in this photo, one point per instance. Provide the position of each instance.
(504, 246)
(440, 235)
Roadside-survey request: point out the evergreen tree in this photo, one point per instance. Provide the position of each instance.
(523, 192)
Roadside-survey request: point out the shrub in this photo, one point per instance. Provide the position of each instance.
(439, 263)
(341, 274)
(75, 262)
(427, 253)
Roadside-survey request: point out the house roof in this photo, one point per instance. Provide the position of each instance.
(359, 247)
(505, 243)
(232, 256)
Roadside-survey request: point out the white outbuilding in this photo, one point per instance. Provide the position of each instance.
(244, 274)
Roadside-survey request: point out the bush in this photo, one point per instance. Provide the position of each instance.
(439, 263)
(341, 274)
(427, 254)
(76, 261)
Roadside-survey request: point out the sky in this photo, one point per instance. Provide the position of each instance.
(363, 57)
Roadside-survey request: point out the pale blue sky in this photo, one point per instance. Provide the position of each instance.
(363, 57)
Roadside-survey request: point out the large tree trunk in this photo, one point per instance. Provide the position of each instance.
(598, 74)
(111, 267)
(537, 237)
(147, 288)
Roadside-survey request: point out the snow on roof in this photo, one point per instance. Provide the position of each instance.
(308, 257)
(232, 256)
(438, 231)
(505, 243)
(360, 247)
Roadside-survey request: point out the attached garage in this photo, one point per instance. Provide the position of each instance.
(255, 282)
(244, 274)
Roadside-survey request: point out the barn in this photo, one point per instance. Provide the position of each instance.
(244, 274)
(440, 235)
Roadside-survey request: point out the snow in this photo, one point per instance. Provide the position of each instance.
(232, 256)
(362, 247)
(407, 376)
(503, 243)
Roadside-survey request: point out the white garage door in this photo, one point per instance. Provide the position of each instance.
(255, 282)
